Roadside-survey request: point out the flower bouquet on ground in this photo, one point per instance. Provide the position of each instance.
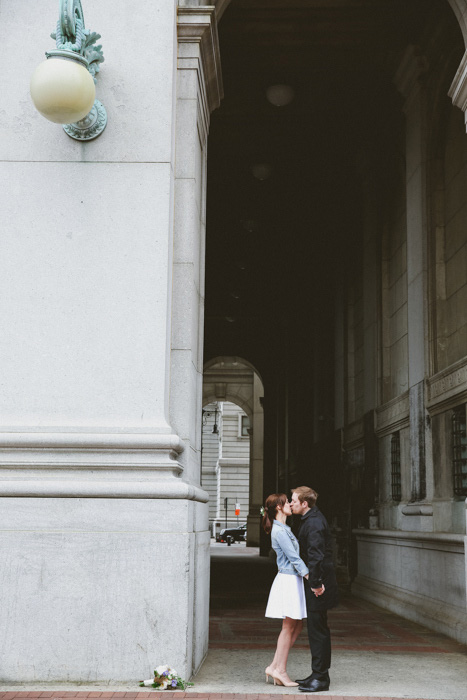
(166, 678)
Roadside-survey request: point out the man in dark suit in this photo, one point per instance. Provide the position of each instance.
(321, 588)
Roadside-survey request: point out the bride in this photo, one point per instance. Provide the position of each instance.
(287, 597)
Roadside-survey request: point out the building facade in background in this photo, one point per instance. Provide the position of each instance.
(225, 464)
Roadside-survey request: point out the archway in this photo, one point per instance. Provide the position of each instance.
(234, 380)
(317, 239)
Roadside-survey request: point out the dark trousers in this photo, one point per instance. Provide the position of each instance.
(319, 637)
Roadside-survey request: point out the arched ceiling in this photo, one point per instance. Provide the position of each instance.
(271, 244)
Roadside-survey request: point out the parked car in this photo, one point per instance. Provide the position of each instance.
(232, 534)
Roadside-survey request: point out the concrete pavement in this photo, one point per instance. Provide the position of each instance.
(375, 654)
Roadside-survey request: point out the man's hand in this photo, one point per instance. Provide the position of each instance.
(318, 591)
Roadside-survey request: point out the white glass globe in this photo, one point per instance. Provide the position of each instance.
(261, 171)
(280, 95)
(62, 90)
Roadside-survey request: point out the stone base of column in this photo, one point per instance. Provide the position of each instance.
(102, 590)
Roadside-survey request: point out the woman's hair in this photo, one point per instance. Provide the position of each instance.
(304, 493)
(270, 509)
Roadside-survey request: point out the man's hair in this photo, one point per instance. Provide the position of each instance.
(304, 493)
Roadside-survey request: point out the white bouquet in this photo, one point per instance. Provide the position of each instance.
(165, 677)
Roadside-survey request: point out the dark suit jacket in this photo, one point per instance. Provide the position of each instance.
(316, 551)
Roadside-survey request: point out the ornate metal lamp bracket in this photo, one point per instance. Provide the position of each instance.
(71, 36)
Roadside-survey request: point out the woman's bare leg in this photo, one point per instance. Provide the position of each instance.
(297, 631)
(289, 633)
(297, 628)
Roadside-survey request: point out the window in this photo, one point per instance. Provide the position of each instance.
(459, 451)
(396, 490)
(243, 426)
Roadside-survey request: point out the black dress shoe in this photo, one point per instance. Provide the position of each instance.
(314, 686)
(304, 680)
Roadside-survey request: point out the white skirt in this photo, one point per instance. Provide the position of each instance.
(287, 597)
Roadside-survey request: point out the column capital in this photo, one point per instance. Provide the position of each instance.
(197, 26)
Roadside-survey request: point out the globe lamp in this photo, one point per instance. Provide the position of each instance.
(280, 95)
(62, 87)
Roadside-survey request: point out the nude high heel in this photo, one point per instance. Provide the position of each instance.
(282, 680)
(268, 673)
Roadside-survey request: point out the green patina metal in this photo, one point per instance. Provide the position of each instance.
(73, 39)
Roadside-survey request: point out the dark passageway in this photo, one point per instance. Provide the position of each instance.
(240, 584)
(336, 241)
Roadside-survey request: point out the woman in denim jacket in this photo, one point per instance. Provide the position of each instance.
(287, 597)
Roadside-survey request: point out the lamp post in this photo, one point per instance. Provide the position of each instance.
(63, 86)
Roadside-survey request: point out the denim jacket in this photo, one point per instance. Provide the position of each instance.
(285, 545)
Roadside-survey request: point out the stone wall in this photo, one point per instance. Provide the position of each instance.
(452, 302)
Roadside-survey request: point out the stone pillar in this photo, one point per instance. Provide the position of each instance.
(101, 509)
(465, 549)
(339, 355)
(371, 296)
(199, 91)
(256, 465)
(409, 82)
(371, 293)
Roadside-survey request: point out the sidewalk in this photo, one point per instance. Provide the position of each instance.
(165, 695)
(375, 653)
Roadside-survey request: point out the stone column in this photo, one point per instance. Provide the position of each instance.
(371, 296)
(339, 355)
(409, 81)
(371, 293)
(101, 509)
(199, 91)
(465, 549)
(256, 465)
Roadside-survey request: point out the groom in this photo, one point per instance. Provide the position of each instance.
(321, 587)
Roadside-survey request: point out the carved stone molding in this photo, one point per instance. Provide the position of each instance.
(93, 465)
(417, 509)
(197, 26)
(86, 486)
(411, 538)
(393, 415)
(98, 441)
(448, 388)
(458, 90)
(221, 5)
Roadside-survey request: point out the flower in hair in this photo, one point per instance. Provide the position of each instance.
(261, 510)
